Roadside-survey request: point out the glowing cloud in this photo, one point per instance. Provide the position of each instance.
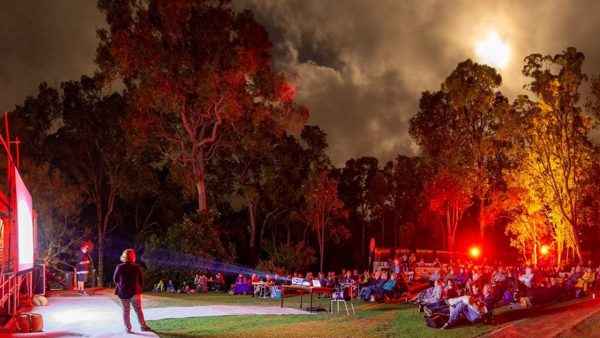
(493, 51)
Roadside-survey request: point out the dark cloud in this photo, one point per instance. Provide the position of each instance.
(360, 66)
(51, 41)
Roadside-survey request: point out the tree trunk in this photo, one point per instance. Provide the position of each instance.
(100, 276)
(396, 231)
(577, 246)
(382, 231)
(321, 253)
(200, 185)
(362, 242)
(481, 222)
(198, 169)
(252, 214)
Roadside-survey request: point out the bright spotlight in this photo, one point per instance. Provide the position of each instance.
(544, 250)
(474, 252)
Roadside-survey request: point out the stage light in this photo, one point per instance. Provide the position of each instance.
(544, 250)
(474, 252)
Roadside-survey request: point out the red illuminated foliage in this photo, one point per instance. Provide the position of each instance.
(196, 71)
(447, 198)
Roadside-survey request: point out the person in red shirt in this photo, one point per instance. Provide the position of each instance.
(83, 269)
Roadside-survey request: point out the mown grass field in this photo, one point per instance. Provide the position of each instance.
(371, 320)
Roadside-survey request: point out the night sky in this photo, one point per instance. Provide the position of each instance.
(359, 66)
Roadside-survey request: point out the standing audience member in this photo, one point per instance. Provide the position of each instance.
(83, 269)
(129, 281)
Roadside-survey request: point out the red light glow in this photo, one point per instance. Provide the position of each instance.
(474, 252)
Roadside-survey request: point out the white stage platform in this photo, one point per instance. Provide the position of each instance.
(84, 316)
(217, 310)
(99, 316)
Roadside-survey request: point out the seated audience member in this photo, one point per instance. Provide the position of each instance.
(390, 285)
(461, 278)
(436, 262)
(396, 266)
(366, 291)
(421, 263)
(435, 276)
(401, 286)
(433, 297)
(476, 275)
(573, 278)
(309, 278)
(412, 260)
(450, 275)
(159, 287)
(219, 284)
(527, 277)
(404, 260)
(355, 276)
(347, 279)
(324, 281)
(201, 283)
(171, 287)
(450, 290)
(365, 279)
(197, 281)
(241, 286)
(473, 308)
(585, 281)
(185, 288)
(499, 281)
(253, 284)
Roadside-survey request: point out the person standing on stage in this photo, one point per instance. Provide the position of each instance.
(83, 269)
(129, 279)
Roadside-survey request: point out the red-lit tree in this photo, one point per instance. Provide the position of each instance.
(456, 127)
(324, 211)
(447, 197)
(195, 71)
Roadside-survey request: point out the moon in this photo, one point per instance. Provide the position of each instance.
(493, 51)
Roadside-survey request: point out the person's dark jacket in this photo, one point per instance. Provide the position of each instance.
(129, 279)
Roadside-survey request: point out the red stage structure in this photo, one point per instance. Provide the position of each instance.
(18, 231)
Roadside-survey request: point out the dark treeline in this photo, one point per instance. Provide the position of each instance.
(204, 153)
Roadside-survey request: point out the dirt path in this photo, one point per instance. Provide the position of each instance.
(545, 322)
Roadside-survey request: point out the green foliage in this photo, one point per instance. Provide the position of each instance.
(269, 266)
(291, 256)
(324, 211)
(192, 244)
(456, 128)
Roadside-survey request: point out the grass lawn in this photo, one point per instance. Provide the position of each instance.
(371, 320)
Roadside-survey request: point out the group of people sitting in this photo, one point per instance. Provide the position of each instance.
(471, 292)
(269, 285)
(457, 291)
(200, 283)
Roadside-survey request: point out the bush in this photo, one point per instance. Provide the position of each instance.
(291, 257)
(188, 247)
